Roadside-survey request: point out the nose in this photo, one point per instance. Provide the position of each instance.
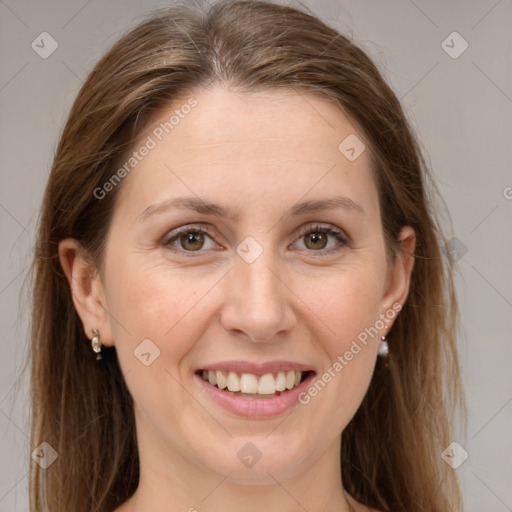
(258, 303)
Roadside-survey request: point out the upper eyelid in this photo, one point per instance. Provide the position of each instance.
(185, 229)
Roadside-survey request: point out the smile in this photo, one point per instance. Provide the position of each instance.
(254, 391)
(248, 385)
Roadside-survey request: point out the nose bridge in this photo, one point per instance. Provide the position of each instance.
(255, 266)
(257, 304)
(259, 281)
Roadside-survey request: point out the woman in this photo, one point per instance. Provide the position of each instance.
(240, 298)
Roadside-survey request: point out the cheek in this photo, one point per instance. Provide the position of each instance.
(347, 302)
(157, 304)
(347, 305)
(157, 316)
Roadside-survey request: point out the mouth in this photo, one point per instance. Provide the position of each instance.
(251, 386)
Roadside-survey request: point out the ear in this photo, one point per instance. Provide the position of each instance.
(86, 289)
(399, 275)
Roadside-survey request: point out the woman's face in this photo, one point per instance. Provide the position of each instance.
(248, 241)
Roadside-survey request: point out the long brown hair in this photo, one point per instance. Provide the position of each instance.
(391, 450)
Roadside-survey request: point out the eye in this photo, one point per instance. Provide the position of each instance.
(190, 239)
(316, 238)
(324, 239)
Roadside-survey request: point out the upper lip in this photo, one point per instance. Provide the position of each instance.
(257, 368)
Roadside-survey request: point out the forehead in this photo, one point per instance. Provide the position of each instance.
(269, 145)
(279, 120)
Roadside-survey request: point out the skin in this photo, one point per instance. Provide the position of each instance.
(258, 154)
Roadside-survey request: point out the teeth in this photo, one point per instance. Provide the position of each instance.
(251, 384)
(281, 381)
(248, 383)
(290, 380)
(266, 384)
(222, 382)
(233, 382)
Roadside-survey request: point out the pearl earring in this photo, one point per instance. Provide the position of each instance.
(383, 347)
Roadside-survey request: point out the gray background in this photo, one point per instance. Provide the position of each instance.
(460, 107)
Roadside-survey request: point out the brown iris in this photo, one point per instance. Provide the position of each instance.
(317, 240)
(192, 241)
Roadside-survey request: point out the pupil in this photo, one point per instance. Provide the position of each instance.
(191, 240)
(317, 238)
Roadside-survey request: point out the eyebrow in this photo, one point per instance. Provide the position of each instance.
(208, 208)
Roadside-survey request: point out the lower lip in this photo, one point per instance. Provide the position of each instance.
(256, 407)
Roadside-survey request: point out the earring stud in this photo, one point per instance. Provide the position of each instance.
(383, 347)
(96, 343)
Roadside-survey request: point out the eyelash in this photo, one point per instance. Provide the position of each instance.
(203, 229)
